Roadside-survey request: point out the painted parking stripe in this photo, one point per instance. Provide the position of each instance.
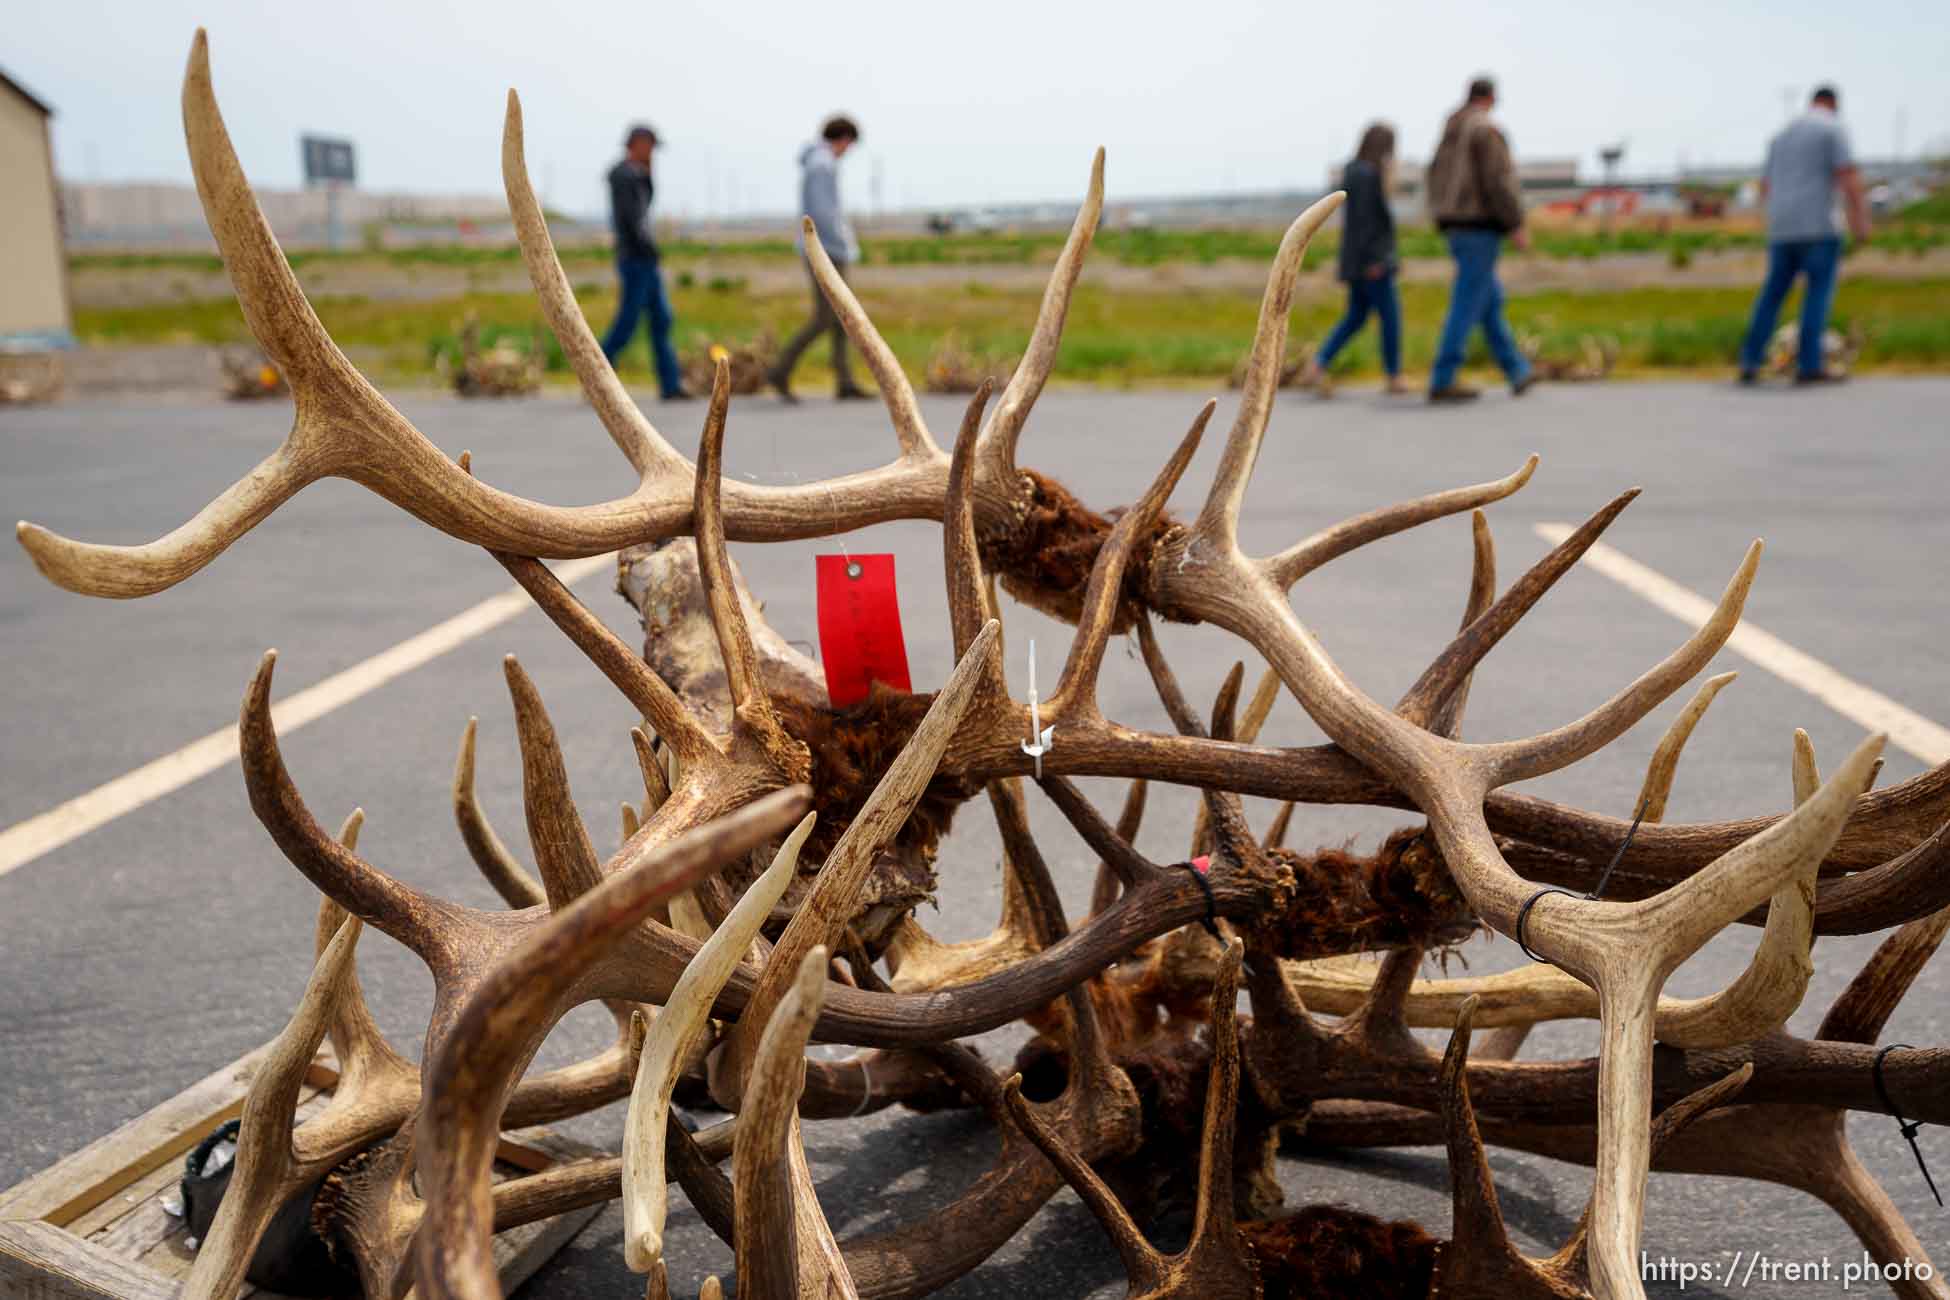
(25, 841)
(1907, 729)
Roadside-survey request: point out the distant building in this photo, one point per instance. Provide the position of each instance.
(34, 312)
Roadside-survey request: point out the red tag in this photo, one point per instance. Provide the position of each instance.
(859, 626)
(1202, 864)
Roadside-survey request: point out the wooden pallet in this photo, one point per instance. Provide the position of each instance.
(94, 1226)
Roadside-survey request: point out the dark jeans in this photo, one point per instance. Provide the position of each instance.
(1365, 295)
(1476, 299)
(824, 320)
(1818, 259)
(643, 290)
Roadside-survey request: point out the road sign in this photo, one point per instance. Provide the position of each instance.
(327, 160)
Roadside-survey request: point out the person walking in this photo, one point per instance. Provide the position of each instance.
(641, 279)
(819, 199)
(1476, 202)
(1806, 163)
(1368, 261)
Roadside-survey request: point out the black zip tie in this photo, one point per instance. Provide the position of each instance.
(1604, 878)
(1523, 914)
(1908, 1128)
(1211, 918)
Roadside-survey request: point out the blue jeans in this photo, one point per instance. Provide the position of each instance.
(1476, 299)
(1818, 259)
(643, 290)
(1365, 295)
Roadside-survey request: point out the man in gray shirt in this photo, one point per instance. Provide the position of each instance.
(819, 199)
(1806, 164)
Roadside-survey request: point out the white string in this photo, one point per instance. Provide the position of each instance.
(866, 1087)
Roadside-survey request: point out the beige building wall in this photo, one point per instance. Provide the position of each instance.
(33, 270)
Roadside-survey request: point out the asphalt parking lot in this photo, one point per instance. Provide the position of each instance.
(144, 954)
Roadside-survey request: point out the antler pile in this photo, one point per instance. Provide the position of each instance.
(742, 755)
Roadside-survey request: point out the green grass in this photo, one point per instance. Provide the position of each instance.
(1916, 230)
(1113, 336)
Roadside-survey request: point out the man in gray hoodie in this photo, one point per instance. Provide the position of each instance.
(819, 199)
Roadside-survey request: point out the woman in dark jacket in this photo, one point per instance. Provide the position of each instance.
(1368, 260)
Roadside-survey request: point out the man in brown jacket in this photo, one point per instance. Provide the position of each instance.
(1475, 199)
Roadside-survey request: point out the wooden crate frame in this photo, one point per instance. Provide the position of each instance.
(93, 1226)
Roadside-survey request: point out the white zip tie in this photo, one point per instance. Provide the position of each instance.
(1041, 738)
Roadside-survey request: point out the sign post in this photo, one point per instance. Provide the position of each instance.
(329, 162)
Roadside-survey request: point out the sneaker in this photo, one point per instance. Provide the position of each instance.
(1397, 386)
(679, 395)
(781, 383)
(853, 395)
(1453, 395)
(1822, 377)
(1523, 385)
(1749, 378)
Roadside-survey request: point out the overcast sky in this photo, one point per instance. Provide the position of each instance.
(961, 103)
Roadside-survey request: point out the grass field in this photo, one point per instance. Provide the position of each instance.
(1136, 247)
(1117, 337)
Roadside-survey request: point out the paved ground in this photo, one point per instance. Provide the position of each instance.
(143, 955)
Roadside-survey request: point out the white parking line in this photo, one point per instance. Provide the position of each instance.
(1907, 730)
(24, 841)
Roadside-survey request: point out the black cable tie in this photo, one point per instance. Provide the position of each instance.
(1909, 1129)
(1604, 878)
(1623, 844)
(1523, 914)
(1198, 867)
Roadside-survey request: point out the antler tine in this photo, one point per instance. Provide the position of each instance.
(1479, 636)
(1807, 774)
(1223, 810)
(635, 436)
(475, 1065)
(1218, 522)
(969, 601)
(1864, 1007)
(1076, 690)
(1225, 705)
(624, 667)
(674, 1039)
(1664, 764)
(1476, 1215)
(1004, 431)
(347, 879)
(1244, 730)
(1129, 818)
(503, 871)
(656, 785)
(1224, 720)
(822, 916)
(1142, 1261)
(776, 1209)
(1446, 720)
(264, 1171)
(563, 854)
(749, 701)
(1277, 830)
(362, 1051)
(1775, 979)
(902, 408)
(1024, 861)
(1521, 760)
(1212, 1219)
(1308, 554)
